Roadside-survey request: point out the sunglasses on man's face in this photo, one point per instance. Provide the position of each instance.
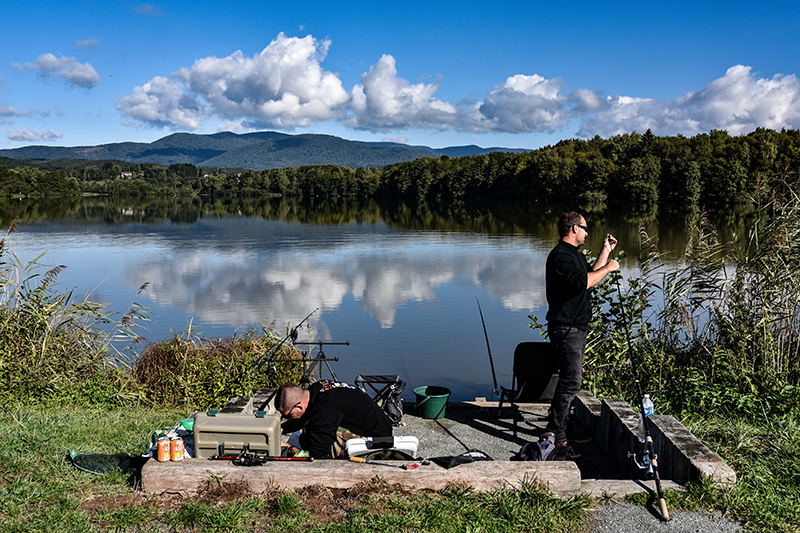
(287, 413)
(584, 228)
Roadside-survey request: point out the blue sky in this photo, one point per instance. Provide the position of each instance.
(510, 74)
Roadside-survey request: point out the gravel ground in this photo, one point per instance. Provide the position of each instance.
(621, 517)
(464, 428)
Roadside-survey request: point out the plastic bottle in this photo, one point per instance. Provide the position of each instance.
(649, 409)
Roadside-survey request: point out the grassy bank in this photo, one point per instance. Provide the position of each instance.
(42, 491)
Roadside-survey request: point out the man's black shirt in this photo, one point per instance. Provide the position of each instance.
(332, 405)
(566, 279)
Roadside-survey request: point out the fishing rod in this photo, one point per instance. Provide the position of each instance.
(647, 458)
(495, 390)
(404, 466)
(268, 359)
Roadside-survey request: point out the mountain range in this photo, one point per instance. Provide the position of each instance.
(255, 151)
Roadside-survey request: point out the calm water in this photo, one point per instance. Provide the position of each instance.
(399, 283)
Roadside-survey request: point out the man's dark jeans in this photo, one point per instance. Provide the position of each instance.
(570, 345)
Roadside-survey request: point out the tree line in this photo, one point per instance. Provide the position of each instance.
(633, 168)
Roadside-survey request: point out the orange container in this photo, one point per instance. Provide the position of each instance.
(163, 449)
(176, 449)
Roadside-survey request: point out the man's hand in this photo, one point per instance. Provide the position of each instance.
(292, 449)
(609, 243)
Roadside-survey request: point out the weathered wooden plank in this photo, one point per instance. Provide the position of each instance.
(185, 477)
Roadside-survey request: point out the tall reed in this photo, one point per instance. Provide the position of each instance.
(54, 346)
(714, 331)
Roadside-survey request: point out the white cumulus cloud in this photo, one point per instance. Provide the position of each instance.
(27, 135)
(738, 102)
(283, 86)
(525, 104)
(70, 69)
(162, 102)
(383, 102)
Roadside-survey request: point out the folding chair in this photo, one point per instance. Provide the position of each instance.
(386, 391)
(535, 375)
(381, 385)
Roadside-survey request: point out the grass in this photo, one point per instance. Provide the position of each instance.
(42, 491)
(765, 454)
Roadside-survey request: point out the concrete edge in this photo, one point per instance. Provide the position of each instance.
(681, 455)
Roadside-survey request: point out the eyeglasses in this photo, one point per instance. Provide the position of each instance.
(584, 228)
(287, 413)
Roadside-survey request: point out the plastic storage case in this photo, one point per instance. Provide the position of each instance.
(361, 446)
(230, 433)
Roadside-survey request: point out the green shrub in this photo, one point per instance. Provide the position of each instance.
(204, 373)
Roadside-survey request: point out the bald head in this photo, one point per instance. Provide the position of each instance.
(291, 400)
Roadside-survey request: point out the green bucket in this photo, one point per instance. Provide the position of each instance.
(431, 401)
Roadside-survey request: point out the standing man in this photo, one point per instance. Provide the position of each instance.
(569, 276)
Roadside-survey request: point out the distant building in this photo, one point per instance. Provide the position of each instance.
(126, 175)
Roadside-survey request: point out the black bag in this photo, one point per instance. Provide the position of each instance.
(393, 404)
(467, 457)
(544, 449)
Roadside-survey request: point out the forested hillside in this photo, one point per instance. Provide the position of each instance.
(252, 151)
(632, 168)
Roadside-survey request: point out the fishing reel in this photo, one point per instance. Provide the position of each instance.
(642, 460)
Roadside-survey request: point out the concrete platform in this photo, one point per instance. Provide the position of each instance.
(604, 469)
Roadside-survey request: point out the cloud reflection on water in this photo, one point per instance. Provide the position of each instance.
(226, 287)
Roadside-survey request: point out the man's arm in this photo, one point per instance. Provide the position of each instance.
(320, 432)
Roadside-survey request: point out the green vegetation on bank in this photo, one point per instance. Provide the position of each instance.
(632, 168)
(60, 349)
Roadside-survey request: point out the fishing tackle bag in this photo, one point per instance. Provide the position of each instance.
(393, 403)
(544, 449)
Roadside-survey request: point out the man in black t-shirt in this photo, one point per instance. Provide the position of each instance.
(569, 276)
(330, 412)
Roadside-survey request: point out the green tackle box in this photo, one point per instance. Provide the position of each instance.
(230, 433)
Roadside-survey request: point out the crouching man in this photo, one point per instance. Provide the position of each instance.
(330, 413)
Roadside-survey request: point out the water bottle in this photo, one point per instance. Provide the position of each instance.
(647, 404)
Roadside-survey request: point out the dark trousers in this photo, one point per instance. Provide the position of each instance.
(569, 343)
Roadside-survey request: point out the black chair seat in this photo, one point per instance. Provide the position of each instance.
(535, 375)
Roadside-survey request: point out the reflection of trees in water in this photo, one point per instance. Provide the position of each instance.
(669, 223)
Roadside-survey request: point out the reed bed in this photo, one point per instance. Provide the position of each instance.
(714, 333)
(60, 349)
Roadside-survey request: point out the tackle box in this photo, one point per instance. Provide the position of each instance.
(362, 446)
(229, 433)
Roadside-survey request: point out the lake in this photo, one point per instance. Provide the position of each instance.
(400, 283)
